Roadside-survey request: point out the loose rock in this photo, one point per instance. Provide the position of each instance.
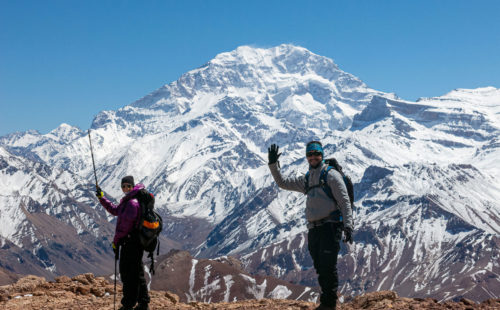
(87, 292)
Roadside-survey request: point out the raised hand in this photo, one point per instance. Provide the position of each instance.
(273, 154)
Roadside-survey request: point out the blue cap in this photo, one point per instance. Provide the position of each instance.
(314, 146)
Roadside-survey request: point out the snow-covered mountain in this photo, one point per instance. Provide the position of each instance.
(49, 224)
(427, 182)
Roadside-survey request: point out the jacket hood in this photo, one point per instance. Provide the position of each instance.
(134, 191)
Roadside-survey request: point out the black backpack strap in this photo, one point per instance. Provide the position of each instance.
(151, 255)
(307, 187)
(324, 182)
(152, 266)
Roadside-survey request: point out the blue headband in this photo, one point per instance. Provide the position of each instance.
(314, 147)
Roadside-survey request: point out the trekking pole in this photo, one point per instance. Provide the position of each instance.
(93, 162)
(114, 295)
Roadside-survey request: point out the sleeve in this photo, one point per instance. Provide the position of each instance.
(296, 184)
(109, 206)
(126, 220)
(339, 191)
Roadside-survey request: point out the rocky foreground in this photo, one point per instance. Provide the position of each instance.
(89, 292)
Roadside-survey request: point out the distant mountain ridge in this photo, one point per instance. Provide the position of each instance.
(427, 189)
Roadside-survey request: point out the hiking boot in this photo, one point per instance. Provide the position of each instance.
(142, 307)
(323, 307)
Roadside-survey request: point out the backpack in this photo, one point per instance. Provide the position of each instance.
(149, 226)
(332, 163)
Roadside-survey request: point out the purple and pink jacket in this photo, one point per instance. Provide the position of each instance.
(127, 211)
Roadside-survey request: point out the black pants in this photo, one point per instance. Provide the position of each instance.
(324, 246)
(132, 273)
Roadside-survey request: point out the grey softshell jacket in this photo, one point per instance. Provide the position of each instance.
(318, 204)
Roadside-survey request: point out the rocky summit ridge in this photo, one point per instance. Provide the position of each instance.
(86, 291)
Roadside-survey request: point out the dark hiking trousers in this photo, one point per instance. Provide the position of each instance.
(132, 273)
(324, 246)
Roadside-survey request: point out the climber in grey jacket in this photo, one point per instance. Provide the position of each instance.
(326, 217)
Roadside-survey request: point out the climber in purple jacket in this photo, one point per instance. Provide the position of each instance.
(126, 243)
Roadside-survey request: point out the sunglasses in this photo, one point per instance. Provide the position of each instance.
(126, 186)
(313, 153)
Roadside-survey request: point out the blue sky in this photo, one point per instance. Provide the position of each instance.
(64, 61)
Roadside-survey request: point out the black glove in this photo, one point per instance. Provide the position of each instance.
(116, 250)
(98, 192)
(273, 153)
(347, 235)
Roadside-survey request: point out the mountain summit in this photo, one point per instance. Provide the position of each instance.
(281, 81)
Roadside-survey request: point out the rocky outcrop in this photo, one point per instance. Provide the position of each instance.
(89, 292)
